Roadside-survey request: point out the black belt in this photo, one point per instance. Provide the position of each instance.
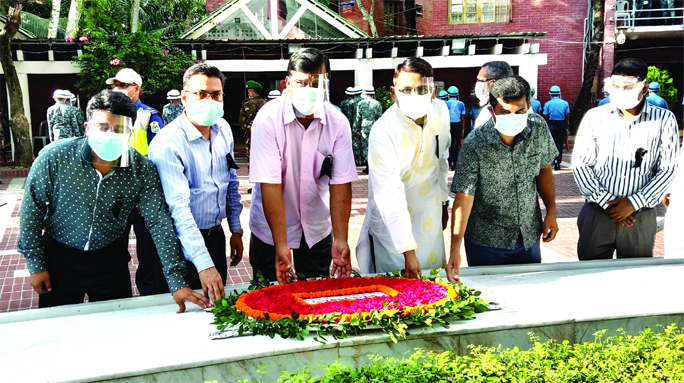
(209, 231)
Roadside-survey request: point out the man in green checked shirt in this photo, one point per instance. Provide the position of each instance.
(79, 192)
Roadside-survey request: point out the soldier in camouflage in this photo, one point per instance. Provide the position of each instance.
(344, 105)
(174, 108)
(249, 109)
(356, 137)
(73, 102)
(64, 120)
(368, 110)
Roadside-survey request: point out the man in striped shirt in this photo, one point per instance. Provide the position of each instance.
(625, 158)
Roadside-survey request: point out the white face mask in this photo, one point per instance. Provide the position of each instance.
(308, 100)
(481, 93)
(124, 91)
(511, 124)
(415, 106)
(624, 99)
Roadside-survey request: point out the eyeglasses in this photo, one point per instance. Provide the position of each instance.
(420, 90)
(485, 80)
(623, 85)
(122, 85)
(312, 81)
(107, 127)
(202, 95)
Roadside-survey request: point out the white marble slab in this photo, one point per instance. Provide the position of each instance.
(143, 339)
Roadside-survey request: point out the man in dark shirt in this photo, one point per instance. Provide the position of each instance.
(79, 192)
(501, 168)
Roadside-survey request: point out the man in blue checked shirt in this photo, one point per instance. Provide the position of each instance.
(194, 157)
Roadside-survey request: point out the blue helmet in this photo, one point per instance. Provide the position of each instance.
(532, 90)
(453, 91)
(555, 89)
(442, 95)
(654, 87)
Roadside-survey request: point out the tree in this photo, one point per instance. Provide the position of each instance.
(667, 88)
(369, 16)
(135, 14)
(54, 19)
(410, 14)
(583, 102)
(23, 149)
(74, 17)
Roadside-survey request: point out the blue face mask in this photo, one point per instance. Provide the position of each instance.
(205, 112)
(107, 145)
(511, 124)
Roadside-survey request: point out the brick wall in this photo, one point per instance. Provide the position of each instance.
(563, 21)
(213, 5)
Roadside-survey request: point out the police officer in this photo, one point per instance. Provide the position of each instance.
(443, 95)
(249, 109)
(174, 108)
(654, 98)
(356, 136)
(147, 124)
(368, 110)
(457, 119)
(536, 105)
(557, 115)
(64, 121)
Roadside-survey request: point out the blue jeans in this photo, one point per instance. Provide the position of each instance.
(489, 256)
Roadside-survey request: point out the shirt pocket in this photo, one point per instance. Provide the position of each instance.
(532, 165)
(321, 175)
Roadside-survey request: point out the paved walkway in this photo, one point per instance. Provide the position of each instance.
(16, 292)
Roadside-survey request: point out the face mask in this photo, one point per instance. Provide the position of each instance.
(626, 99)
(107, 145)
(307, 100)
(415, 106)
(124, 91)
(205, 112)
(481, 93)
(511, 124)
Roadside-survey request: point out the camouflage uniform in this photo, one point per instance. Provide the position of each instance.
(248, 111)
(68, 119)
(171, 111)
(368, 111)
(356, 139)
(347, 110)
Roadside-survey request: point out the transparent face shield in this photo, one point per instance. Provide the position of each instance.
(309, 93)
(621, 84)
(415, 100)
(108, 136)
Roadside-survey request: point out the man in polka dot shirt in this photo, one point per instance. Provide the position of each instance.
(79, 192)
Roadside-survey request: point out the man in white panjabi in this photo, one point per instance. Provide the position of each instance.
(407, 186)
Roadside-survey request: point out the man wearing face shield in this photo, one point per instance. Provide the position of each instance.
(302, 167)
(407, 186)
(486, 77)
(625, 158)
(73, 216)
(195, 158)
(501, 169)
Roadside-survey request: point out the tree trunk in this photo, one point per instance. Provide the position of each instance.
(369, 16)
(23, 150)
(583, 102)
(135, 14)
(74, 16)
(54, 19)
(410, 13)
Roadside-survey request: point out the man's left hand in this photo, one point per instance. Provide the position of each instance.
(550, 228)
(188, 294)
(445, 216)
(341, 259)
(236, 249)
(620, 208)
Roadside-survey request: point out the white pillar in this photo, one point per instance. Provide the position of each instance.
(531, 74)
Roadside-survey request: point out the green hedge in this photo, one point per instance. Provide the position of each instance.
(647, 357)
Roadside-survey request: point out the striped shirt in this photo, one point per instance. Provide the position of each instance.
(605, 154)
(199, 186)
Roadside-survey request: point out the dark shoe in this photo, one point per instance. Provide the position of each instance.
(365, 171)
(249, 191)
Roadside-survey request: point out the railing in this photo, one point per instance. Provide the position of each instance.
(659, 17)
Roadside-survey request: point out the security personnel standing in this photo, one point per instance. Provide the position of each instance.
(557, 115)
(654, 98)
(536, 105)
(147, 124)
(64, 120)
(174, 108)
(443, 95)
(457, 112)
(344, 105)
(356, 136)
(249, 109)
(368, 110)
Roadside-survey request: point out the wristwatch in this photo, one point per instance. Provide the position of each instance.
(241, 232)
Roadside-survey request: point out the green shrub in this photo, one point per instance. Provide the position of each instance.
(667, 88)
(647, 357)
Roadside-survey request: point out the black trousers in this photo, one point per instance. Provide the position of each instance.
(600, 236)
(146, 279)
(455, 148)
(312, 262)
(557, 128)
(102, 274)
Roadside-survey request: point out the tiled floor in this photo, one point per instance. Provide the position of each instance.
(16, 292)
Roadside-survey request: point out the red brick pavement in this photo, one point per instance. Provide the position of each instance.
(16, 292)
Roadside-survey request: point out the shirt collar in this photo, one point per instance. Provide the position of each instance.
(138, 104)
(289, 113)
(191, 132)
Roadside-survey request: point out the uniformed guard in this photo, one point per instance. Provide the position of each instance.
(557, 115)
(536, 105)
(443, 95)
(249, 109)
(356, 137)
(344, 105)
(147, 124)
(273, 95)
(368, 110)
(73, 102)
(174, 108)
(653, 97)
(457, 111)
(64, 121)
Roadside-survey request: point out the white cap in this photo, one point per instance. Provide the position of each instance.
(349, 91)
(173, 94)
(274, 94)
(357, 89)
(126, 75)
(58, 93)
(368, 89)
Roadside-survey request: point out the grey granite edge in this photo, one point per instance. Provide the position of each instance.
(630, 316)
